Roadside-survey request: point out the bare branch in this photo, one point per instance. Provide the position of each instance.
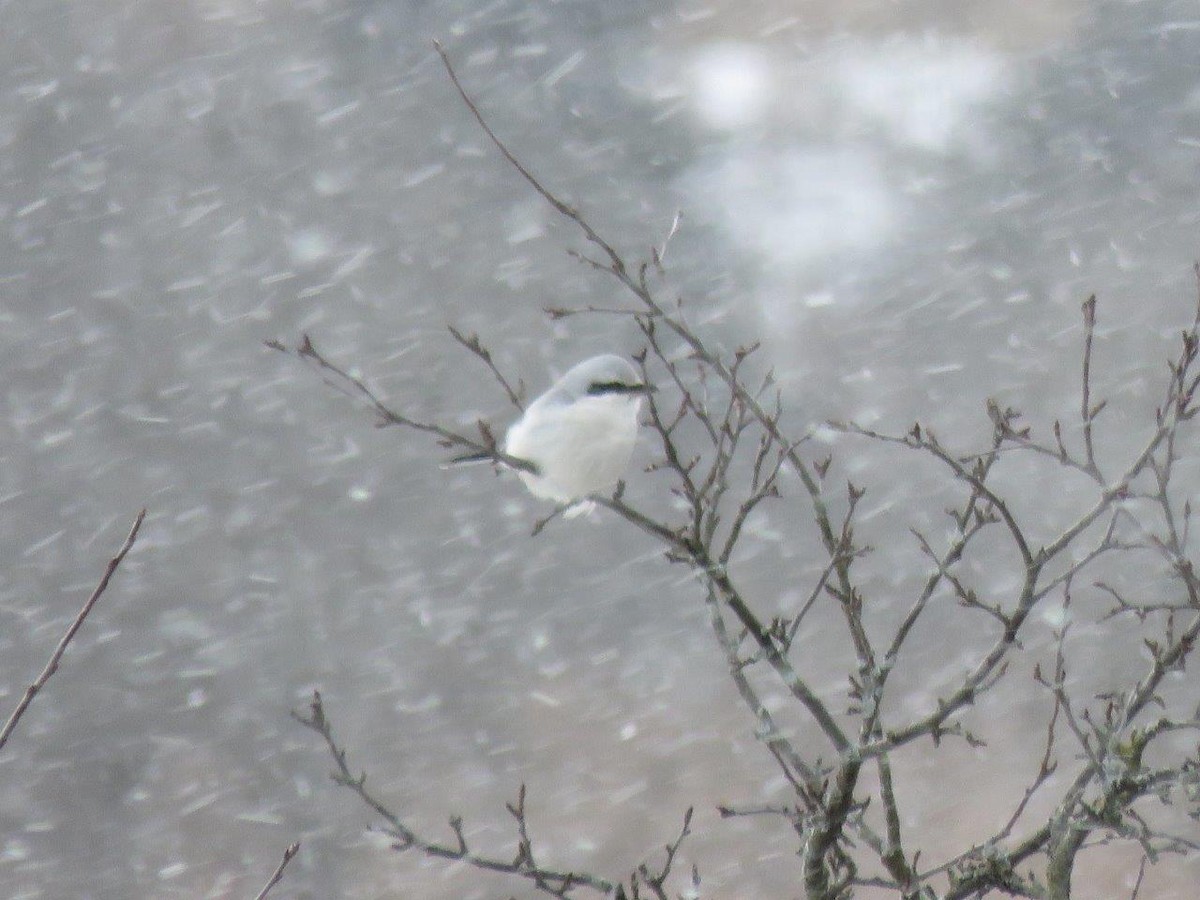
(923, 440)
(799, 688)
(614, 259)
(342, 381)
(277, 875)
(549, 881)
(790, 761)
(1048, 766)
(473, 344)
(64, 642)
(1137, 884)
(893, 851)
(561, 312)
(656, 881)
(719, 579)
(727, 811)
(1086, 413)
(818, 589)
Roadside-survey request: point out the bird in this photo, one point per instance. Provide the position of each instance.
(578, 435)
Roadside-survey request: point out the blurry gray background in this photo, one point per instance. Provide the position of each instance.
(907, 201)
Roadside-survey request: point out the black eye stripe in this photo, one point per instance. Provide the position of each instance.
(611, 387)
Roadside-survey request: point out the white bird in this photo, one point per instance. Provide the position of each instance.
(580, 433)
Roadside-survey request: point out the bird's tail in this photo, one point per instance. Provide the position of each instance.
(467, 459)
(500, 458)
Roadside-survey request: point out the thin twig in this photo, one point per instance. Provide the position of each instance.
(550, 881)
(57, 655)
(813, 596)
(1137, 884)
(277, 876)
(793, 766)
(1086, 412)
(473, 344)
(561, 207)
(656, 881)
(341, 380)
(920, 439)
(561, 312)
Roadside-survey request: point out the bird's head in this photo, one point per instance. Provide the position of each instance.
(604, 376)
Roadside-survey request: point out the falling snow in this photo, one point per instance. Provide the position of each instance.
(907, 212)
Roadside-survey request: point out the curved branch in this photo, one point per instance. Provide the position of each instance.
(550, 881)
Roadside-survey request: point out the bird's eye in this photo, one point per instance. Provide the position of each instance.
(599, 388)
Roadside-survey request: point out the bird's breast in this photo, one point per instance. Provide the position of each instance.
(580, 448)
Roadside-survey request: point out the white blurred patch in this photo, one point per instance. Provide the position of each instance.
(1055, 616)
(15, 851)
(732, 85)
(920, 90)
(333, 181)
(524, 222)
(307, 246)
(844, 158)
(798, 204)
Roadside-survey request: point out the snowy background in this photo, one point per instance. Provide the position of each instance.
(908, 201)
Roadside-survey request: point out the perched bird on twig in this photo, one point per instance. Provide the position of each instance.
(579, 434)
